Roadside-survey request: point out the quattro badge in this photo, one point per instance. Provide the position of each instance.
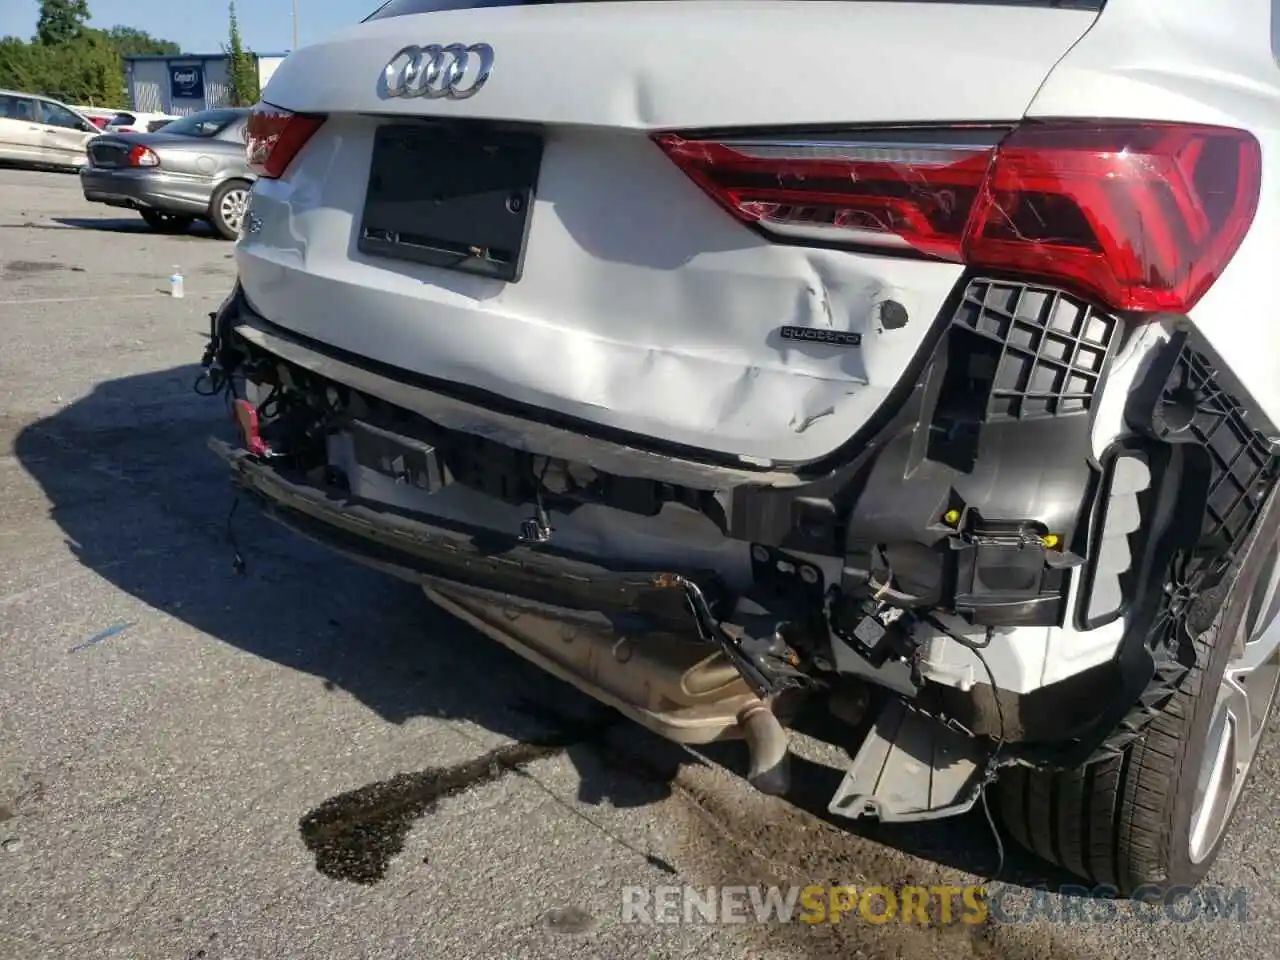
(834, 338)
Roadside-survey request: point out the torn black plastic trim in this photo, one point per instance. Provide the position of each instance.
(977, 501)
(1217, 490)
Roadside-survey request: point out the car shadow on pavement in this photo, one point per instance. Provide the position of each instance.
(144, 504)
(41, 167)
(132, 224)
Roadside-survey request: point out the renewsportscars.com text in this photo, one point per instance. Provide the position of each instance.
(936, 905)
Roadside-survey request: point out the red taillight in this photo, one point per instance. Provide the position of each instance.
(274, 138)
(143, 157)
(1140, 216)
(1144, 216)
(870, 190)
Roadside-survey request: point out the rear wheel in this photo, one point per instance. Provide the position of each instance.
(167, 222)
(1155, 815)
(227, 209)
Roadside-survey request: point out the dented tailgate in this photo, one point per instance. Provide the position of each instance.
(639, 303)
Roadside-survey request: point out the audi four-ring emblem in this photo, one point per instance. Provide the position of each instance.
(438, 70)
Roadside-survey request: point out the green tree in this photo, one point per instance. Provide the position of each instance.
(84, 70)
(66, 59)
(19, 69)
(242, 66)
(131, 40)
(61, 21)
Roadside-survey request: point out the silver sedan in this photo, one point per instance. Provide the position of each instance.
(193, 169)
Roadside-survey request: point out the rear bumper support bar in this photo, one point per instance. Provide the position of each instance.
(418, 548)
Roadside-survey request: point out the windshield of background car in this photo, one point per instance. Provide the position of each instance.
(206, 123)
(403, 8)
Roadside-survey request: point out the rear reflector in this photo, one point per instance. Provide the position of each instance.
(274, 138)
(246, 417)
(1137, 216)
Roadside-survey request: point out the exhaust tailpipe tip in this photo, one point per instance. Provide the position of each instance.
(769, 769)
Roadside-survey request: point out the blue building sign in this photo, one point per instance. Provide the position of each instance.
(186, 81)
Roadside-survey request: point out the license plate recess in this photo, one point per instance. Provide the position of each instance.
(451, 195)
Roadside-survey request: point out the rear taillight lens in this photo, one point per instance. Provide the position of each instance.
(1144, 216)
(274, 137)
(875, 190)
(1139, 216)
(143, 157)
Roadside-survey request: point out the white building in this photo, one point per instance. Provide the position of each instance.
(187, 83)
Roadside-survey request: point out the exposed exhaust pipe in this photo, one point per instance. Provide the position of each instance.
(769, 770)
(695, 700)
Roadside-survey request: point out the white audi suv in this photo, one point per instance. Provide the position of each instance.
(722, 357)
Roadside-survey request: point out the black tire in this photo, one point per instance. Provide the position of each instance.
(1124, 821)
(163, 222)
(225, 227)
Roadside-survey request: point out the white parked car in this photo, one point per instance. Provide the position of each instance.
(720, 356)
(98, 115)
(127, 121)
(41, 131)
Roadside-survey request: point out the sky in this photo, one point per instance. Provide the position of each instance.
(200, 26)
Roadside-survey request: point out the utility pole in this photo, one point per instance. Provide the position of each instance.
(295, 24)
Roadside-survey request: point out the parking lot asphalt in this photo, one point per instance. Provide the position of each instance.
(311, 761)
